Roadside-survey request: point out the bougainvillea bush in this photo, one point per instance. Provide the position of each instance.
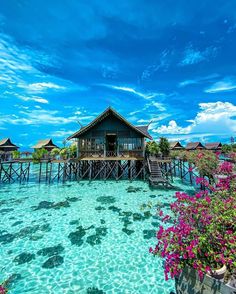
(206, 162)
(203, 234)
(3, 289)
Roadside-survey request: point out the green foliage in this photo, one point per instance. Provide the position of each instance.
(72, 150)
(181, 154)
(15, 154)
(64, 153)
(55, 151)
(39, 154)
(227, 148)
(205, 161)
(164, 146)
(152, 148)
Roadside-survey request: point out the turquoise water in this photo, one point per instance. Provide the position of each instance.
(82, 237)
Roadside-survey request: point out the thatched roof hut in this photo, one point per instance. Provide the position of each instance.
(194, 146)
(216, 146)
(6, 145)
(176, 146)
(46, 144)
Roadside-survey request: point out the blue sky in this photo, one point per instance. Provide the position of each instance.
(171, 63)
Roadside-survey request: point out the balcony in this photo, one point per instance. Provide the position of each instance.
(111, 155)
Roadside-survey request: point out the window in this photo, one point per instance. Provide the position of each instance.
(129, 144)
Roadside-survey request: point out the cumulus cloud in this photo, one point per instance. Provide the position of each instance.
(172, 128)
(215, 118)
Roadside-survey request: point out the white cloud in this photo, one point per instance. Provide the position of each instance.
(198, 80)
(163, 63)
(134, 112)
(153, 120)
(85, 117)
(35, 99)
(215, 118)
(40, 87)
(11, 58)
(19, 73)
(172, 128)
(159, 106)
(62, 133)
(193, 56)
(190, 137)
(226, 85)
(36, 117)
(134, 91)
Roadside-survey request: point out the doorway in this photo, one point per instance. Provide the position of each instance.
(111, 144)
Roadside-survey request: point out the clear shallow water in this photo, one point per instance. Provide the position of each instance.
(95, 236)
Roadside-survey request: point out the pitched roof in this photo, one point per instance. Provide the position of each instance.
(212, 146)
(141, 129)
(44, 143)
(144, 130)
(6, 143)
(194, 145)
(176, 145)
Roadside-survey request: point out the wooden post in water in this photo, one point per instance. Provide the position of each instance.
(46, 171)
(21, 172)
(190, 173)
(0, 171)
(40, 171)
(58, 171)
(171, 171)
(50, 173)
(181, 172)
(28, 171)
(10, 172)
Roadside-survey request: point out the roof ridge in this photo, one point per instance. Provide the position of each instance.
(101, 116)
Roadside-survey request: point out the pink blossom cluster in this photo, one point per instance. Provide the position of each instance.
(3, 290)
(203, 235)
(226, 168)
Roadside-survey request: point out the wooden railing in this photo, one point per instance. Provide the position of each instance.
(102, 154)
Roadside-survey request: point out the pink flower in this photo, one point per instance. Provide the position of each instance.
(208, 199)
(3, 290)
(160, 213)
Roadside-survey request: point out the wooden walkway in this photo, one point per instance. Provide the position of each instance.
(72, 170)
(93, 168)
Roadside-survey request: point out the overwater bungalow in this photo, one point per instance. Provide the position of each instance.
(194, 146)
(111, 135)
(176, 146)
(217, 146)
(6, 147)
(46, 144)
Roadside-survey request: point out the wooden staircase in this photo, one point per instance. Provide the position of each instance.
(156, 178)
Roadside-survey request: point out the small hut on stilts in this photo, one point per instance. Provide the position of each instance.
(6, 148)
